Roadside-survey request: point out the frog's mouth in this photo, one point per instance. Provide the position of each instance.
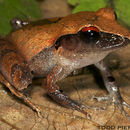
(111, 41)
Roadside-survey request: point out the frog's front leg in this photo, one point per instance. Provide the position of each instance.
(53, 91)
(112, 88)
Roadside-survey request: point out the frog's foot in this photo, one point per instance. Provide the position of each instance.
(112, 88)
(99, 99)
(120, 103)
(117, 100)
(65, 101)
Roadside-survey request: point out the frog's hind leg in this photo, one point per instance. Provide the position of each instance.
(112, 88)
(14, 70)
(19, 94)
(53, 91)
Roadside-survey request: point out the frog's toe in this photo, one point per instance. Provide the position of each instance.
(120, 106)
(101, 98)
(39, 112)
(120, 103)
(126, 104)
(97, 108)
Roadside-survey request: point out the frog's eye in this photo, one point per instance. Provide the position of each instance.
(90, 32)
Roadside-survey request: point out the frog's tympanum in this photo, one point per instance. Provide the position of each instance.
(56, 47)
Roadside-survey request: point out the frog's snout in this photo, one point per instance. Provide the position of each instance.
(111, 41)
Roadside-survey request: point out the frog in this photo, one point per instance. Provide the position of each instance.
(55, 47)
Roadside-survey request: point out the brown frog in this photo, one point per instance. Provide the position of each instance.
(56, 47)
